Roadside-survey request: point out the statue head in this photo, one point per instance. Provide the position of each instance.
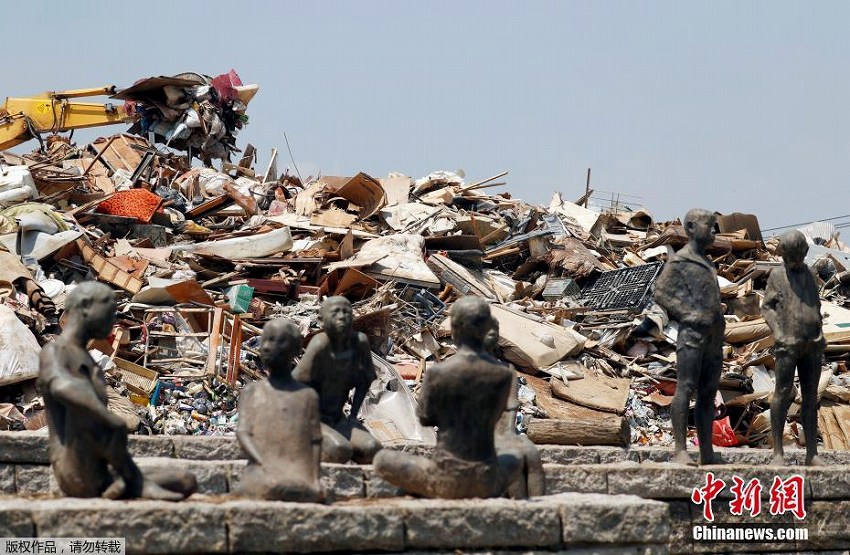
(280, 342)
(793, 248)
(337, 316)
(471, 321)
(92, 305)
(699, 225)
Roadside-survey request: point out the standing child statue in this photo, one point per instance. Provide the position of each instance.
(791, 308)
(687, 289)
(85, 438)
(279, 427)
(464, 397)
(336, 361)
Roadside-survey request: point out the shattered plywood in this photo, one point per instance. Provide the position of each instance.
(107, 271)
(118, 152)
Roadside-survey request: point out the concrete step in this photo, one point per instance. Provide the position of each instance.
(827, 493)
(31, 447)
(661, 481)
(217, 463)
(592, 522)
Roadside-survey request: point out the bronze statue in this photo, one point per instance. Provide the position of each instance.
(464, 397)
(687, 289)
(530, 480)
(336, 361)
(791, 308)
(279, 426)
(86, 439)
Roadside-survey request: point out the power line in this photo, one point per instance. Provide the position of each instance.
(291, 157)
(616, 193)
(807, 223)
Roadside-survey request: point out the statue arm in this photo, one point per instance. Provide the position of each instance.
(304, 370)
(814, 284)
(245, 430)
(316, 434)
(80, 395)
(425, 408)
(771, 305)
(367, 376)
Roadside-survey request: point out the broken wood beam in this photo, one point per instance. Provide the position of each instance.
(607, 429)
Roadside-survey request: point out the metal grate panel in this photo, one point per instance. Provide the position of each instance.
(627, 288)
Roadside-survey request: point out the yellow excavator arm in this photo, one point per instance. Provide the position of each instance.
(22, 118)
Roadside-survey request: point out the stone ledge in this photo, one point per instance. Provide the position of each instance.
(664, 481)
(211, 526)
(214, 477)
(545, 524)
(658, 481)
(31, 448)
(433, 523)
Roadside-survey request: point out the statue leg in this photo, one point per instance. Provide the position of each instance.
(688, 363)
(115, 451)
(412, 473)
(709, 381)
(513, 469)
(81, 472)
(363, 445)
(175, 480)
(134, 483)
(782, 398)
(809, 370)
(528, 479)
(335, 447)
(535, 477)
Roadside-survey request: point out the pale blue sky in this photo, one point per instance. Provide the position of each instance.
(730, 106)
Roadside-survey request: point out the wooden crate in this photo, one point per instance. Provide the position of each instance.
(140, 381)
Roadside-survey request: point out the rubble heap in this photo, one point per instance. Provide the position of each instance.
(201, 258)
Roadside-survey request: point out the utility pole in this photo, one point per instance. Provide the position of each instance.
(587, 189)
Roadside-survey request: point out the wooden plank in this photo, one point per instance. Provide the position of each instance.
(118, 153)
(827, 440)
(247, 203)
(557, 408)
(833, 430)
(210, 206)
(842, 417)
(215, 341)
(235, 350)
(189, 291)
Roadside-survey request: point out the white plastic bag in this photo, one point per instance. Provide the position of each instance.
(19, 349)
(16, 185)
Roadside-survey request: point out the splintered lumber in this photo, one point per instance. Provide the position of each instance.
(106, 270)
(600, 392)
(605, 429)
(842, 418)
(831, 431)
(827, 441)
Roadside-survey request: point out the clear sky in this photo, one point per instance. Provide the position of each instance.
(730, 106)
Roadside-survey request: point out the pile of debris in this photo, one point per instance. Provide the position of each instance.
(201, 258)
